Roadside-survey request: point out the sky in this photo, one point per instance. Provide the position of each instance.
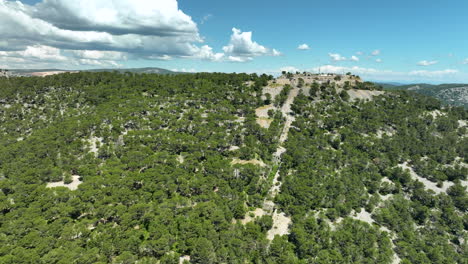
(387, 41)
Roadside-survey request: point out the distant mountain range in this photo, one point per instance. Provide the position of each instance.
(453, 93)
(45, 72)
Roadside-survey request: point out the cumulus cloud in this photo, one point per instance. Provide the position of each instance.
(375, 53)
(239, 59)
(100, 55)
(427, 63)
(242, 48)
(205, 52)
(40, 56)
(336, 57)
(359, 53)
(37, 52)
(354, 58)
(465, 61)
(96, 32)
(432, 74)
(289, 69)
(276, 53)
(118, 17)
(378, 60)
(303, 47)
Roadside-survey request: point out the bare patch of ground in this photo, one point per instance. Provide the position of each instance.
(233, 148)
(250, 216)
(273, 89)
(386, 131)
(244, 162)
(363, 216)
(363, 94)
(93, 142)
(427, 183)
(264, 122)
(180, 159)
(44, 74)
(72, 186)
(263, 119)
(183, 259)
(436, 113)
(280, 225)
(263, 111)
(461, 123)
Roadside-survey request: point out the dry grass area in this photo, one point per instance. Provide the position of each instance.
(72, 186)
(245, 162)
(250, 216)
(263, 119)
(280, 225)
(264, 122)
(263, 111)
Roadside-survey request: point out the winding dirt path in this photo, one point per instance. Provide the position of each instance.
(281, 222)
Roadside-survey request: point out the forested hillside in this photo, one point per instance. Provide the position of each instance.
(227, 168)
(451, 94)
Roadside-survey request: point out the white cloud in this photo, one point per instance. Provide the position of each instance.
(239, 59)
(359, 53)
(206, 18)
(241, 44)
(336, 57)
(142, 17)
(465, 61)
(43, 53)
(36, 52)
(242, 48)
(276, 53)
(354, 58)
(99, 63)
(191, 70)
(375, 53)
(100, 55)
(378, 60)
(432, 74)
(427, 63)
(39, 56)
(148, 29)
(303, 47)
(163, 57)
(289, 69)
(205, 52)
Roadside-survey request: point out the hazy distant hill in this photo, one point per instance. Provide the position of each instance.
(43, 72)
(136, 70)
(453, 93)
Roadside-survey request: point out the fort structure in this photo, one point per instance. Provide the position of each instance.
(321, 78)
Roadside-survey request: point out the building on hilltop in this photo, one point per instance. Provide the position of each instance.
(320, 78)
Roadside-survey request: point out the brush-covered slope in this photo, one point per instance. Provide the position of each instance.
(451, 94)
(211, 168)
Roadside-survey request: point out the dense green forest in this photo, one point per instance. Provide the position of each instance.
(164, 168)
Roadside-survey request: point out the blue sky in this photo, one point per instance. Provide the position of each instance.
(401, 41)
